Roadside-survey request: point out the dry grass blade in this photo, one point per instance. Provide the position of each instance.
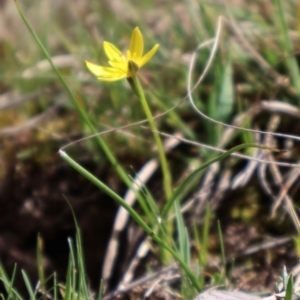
(190, 89)
(146, 281)
(225, 295)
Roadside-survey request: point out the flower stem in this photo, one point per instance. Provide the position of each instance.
(137, 88)
(83, 114)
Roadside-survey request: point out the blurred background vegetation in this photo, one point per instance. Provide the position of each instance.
(257, 62)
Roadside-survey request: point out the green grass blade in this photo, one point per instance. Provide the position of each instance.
(55, 286)
(187, 245)
(12, 293)
(181, 187)
(225, 102)
(223, 257)
(83, 114)
(82, 284)
(289, 288)
(285, 277)
(205, 235)
(180, 230)
(100, 292)
(10, 289)
(199, 264)
(74, 271)
(133, 214)
(152, 212)
(28, 285)
(69, 282)
(41, 272)
(106, 189)
(287, 44)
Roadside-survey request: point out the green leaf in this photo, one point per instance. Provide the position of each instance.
(225, 101)
(289, 288)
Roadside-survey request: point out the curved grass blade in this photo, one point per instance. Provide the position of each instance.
(181, 187)
(135, 215)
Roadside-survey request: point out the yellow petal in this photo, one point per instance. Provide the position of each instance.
(136, 46)
(112, 52)
(95, 69)
(105, 73)
(111, 74)
(120, 65)
(113, 77)
(141, 61)
(128, 55)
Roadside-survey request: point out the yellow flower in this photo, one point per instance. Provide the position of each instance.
(120, 65)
